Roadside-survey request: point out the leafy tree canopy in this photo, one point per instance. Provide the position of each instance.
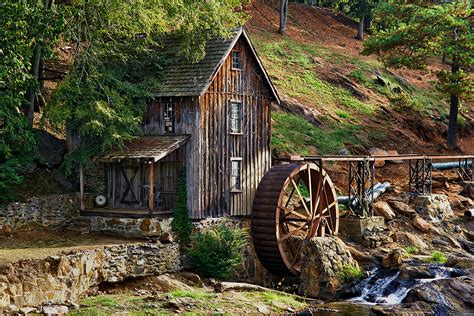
(118, 62)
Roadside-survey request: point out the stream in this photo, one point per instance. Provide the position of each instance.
(385, 287)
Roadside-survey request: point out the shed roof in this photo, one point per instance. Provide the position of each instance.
(147, 147)
(184, 78)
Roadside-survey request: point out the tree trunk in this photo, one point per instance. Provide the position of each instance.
(283, 16)
(30, 110)
(360, 30)
(453, 112)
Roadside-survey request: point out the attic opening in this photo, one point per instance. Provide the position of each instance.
(236, 60)
(169, 118)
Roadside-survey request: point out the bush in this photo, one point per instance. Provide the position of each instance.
(216, 252)
(10, 178)
(438, 256)
(411, 250)
(349, 272)
(182, 224)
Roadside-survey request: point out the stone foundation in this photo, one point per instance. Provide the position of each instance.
(357, 228)
(53, 211)
(63, 279)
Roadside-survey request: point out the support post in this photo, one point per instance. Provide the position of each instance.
(361, 182)
(420, 176)
(81, 187)
(151, 191)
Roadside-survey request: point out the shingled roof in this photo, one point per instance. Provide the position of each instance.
(184, 78)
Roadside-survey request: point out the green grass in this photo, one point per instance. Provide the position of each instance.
(411, 250)
(196, 294)
(272, 297)
(438, 257)
(293, 134)
(348, 273)
(118, 303)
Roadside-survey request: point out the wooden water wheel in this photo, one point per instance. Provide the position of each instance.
(293, 202)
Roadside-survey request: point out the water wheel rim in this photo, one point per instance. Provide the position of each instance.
(322, 211)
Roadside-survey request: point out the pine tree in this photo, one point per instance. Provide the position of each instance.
(415, 32)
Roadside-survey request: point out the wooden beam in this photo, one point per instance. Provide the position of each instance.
(151, 196)
(81, 187)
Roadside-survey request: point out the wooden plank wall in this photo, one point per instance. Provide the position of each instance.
(217, 146)
(211, 146)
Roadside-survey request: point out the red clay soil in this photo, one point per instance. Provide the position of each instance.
(406, 132)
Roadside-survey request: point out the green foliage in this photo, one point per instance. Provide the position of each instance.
(25, 24)
(118, 64)
(216, 252)
(438, 257)
(182, 224)
(349, 272)
(411, 250)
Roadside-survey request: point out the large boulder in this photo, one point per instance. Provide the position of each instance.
(421, 224)
(378, 152)
(382, 208)
(402, 208)
(434, 207)
(323, 259)
(393, 259)
(50, 149)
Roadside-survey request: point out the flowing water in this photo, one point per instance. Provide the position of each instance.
(383, 287)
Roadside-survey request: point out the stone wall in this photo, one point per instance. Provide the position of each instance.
(54, 211)
(127, 227)
(63, 279)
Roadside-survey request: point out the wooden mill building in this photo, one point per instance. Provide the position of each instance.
(211, 117)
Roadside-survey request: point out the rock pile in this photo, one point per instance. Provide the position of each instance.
(322, 260)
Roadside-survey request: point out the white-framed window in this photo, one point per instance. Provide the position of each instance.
(235, 117)
(235, 175)
(236, 61)
(169, 117)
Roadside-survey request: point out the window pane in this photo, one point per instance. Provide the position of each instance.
(235, 183)
(235, 117)
(235, 60)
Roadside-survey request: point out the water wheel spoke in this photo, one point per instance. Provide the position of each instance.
(289, 212)
(291, 194)
(310, 188)
(292, 232)
(303, 202)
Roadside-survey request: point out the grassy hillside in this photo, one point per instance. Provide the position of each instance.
(361, 104)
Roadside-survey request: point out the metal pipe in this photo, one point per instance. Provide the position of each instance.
(378, 188)
(451, 165)
(469, 214)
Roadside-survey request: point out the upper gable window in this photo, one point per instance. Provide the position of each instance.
(236, 61)
(169, 117)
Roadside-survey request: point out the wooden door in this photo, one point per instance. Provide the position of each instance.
(129, 185)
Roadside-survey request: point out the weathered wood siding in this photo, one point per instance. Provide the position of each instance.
(216, 145)
(212, 146)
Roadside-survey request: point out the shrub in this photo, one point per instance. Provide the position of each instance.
(216, 252)
(411, 250)
(182, 224)
(438, 256)
(349, 272)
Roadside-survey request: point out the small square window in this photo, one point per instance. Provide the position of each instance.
(235, 179)
(235, 117)
(169, 117)
(236, 60)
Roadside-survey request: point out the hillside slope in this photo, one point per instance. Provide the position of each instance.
(356, 103)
